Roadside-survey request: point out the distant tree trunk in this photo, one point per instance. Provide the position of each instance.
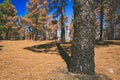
(7, 34)
(14, 36)
(62, 22)
(112, 20)
(36, 34)
(29, 34)
(1, 37)
(111, 28)
(44, 33)
(82, 58)
(101, 20)
(49, 34)
(111, 31)
(36, 29)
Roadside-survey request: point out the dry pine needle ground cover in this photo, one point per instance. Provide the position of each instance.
(40, 60)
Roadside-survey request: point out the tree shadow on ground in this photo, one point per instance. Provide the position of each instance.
(107, 42)
(49, 47)
(64, 50)
(1, 47)
(52, 48)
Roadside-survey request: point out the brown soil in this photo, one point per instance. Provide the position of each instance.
(32, 60)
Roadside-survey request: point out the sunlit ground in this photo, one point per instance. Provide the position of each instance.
(32, 60)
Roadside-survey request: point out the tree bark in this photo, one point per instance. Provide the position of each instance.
(101, 20)
(7, 34)
(82, 57)
(36, 29)
(62, 22)
(111, 31)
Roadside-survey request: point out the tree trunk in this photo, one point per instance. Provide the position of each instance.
(36, 35)
(112, 13)
(62, 22)
(7, 34)
(36, 29)
(29, 34)
(44, 33)
(101, 20)
(82, 58)
(111, 31)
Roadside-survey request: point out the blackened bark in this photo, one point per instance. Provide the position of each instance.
(36, 34)
(62, 34)
(7, 34)
(62, 22)
(111, 32)
(101, 20)
(36, 30)
(44, 33)
(82, 57)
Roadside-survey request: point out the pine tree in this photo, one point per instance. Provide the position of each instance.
(37, 10)
(60, 6)
(112, 8)
(9, 18)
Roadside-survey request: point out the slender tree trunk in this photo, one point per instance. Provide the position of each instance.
(7, 34)
(44, 33)
(101, 20)
(49, 35)
(36, 29)
(111, 31)
(112, 12)
(82, 58)
(36, 34)
(62, 22)
(1, 37)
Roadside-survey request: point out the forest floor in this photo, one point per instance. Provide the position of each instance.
(41, 60)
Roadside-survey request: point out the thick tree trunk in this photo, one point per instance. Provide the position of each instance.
(82, 58)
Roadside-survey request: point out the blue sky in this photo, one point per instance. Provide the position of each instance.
(20, 6)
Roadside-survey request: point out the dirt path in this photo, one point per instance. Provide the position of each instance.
(19, 62)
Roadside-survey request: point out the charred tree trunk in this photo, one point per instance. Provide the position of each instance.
(62, 22)
(36, 29)
(7, 34)
(101, 20)
(111, 31)
(44, 33)
(82, 58)
(36, 34)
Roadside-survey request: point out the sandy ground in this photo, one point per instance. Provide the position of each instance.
(23, 60)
